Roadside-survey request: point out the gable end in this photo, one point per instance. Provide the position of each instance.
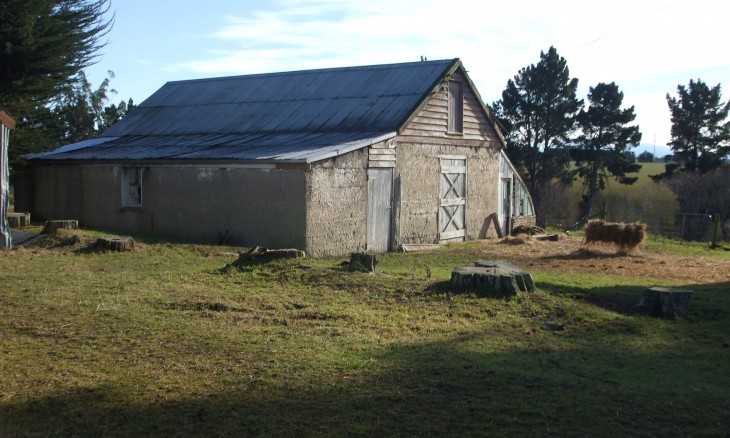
(432, 119)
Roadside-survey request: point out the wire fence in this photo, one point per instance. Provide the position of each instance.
(690, 228)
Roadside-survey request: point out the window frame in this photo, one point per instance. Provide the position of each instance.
(129, 201)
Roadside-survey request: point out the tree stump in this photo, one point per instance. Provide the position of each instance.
(524, 279)
(52, 226)
(493, 278)
(665, 302)
(360, 261)
(17, 220)
(114, 243)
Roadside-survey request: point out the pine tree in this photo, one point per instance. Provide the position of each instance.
(538, 110)
(79, 113)
(700, 129)
(44, 45)
(603, 147)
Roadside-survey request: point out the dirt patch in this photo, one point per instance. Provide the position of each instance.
(567, 255)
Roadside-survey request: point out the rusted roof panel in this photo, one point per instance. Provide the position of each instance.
(297, 115)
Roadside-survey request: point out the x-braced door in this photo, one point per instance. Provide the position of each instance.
(452, 208)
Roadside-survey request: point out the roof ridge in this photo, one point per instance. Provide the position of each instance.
(318, 70)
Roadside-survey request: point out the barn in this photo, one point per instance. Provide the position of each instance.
(329, 161)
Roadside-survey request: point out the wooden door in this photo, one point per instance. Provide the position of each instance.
(505, 205)
(452, 199)
(380, 196)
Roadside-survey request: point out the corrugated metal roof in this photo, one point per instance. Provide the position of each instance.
(294, 116)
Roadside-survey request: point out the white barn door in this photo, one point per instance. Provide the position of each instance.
(380, 196)
(452, 199)
(505, 205)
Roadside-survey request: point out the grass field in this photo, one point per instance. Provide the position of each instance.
(644, 195)
(164, 341)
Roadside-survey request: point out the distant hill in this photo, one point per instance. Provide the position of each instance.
(658, 151)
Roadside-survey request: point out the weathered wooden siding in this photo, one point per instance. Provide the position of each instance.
(336, 218)
(432, 120)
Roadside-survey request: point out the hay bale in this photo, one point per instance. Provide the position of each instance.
(627, 237)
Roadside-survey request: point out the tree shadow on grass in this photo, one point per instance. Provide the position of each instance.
(624, 299)
(451, 388)
(590, 254)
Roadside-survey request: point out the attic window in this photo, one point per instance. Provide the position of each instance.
(456, 107)
(132, 187)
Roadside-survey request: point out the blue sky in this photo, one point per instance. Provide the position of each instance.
(647, 47)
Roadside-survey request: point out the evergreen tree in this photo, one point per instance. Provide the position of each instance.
(645, 157)
(603, 147)
(78, 114)
(700, 129)
(85, 113)
(44, 45)
(538, 110)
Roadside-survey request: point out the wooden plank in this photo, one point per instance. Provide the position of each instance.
(440, 128)
(421, 121)
(381, 158)
(382, 152)
(7, 120)
(424, 134)
(381, 164)
(432, 113)
(412, 139)
(451, 234)
(450, 202)
(453, 169)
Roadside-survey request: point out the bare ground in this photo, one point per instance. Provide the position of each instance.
(568, 255)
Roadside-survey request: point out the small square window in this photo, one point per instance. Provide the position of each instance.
(132, 187)
(456, 107)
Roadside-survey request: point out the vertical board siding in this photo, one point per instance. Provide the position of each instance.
(380, 195)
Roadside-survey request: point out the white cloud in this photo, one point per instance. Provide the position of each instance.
(644, 46)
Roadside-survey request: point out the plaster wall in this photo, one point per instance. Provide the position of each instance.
(418, 174)
(337, 205)
(241, 205)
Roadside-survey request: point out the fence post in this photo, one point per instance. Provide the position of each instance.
(715, 230)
